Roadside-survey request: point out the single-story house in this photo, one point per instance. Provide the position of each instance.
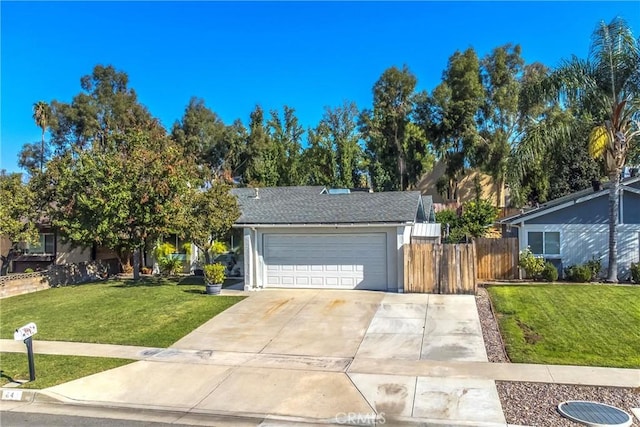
(314, 237)
(47, 251)
(574, 229)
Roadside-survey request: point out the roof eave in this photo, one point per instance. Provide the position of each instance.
(324, 224)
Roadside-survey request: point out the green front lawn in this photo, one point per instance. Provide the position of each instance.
(52, 369)
(593, 325)
(153, 312)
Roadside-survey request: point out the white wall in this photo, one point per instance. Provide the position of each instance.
(254, 267)
(579, 243)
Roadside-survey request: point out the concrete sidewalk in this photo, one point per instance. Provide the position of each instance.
(559, 374)
(347, 357)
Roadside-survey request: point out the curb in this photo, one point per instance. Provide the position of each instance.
(52, 403)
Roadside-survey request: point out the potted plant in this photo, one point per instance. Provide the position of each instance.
(214, 275)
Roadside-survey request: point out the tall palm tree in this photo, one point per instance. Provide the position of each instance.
(603, 93)
(41, 115)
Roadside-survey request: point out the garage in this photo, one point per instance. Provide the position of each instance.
(314, 237)
(336, 261)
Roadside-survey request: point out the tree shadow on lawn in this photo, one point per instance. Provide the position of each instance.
(199, 281)
(191, 280)
(146, 281)
(196, 291)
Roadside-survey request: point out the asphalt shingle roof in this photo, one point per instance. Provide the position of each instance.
(309, 205)
(514, 219)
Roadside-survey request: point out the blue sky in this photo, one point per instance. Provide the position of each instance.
(235, 55)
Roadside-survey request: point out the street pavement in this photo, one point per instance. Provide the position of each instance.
(318, 356)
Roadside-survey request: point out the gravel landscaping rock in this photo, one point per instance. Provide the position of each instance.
(535, 404)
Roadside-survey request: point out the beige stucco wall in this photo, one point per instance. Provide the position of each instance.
(466, 187)
(66, 254)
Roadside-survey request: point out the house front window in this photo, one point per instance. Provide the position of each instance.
(546, 243)
(179, 244)
(46, 245)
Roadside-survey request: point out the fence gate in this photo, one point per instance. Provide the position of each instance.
(440, 268)
(497, 258)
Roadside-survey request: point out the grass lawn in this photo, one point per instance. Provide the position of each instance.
(153, 312)
(593, 325)
(52, 369)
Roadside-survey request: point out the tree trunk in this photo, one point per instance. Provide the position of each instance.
(5, 262)
(500, 191)
(42, 152)
(614, 202)
(136, 264)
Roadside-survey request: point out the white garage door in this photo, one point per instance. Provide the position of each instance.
(338, 261)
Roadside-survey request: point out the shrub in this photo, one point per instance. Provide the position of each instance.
(532, 265)
(635, 272)
(169, 265)
(163, 250)
(28, 270)
(578, 273)
(214, 273)
(217, 248)
(549, 273)
(595, 266)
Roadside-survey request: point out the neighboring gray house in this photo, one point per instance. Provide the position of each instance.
(312, 237)
(575, 228)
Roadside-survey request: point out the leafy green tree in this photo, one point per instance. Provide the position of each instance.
(319, 159)
(478, 216)
(475, 220)
(603, 94)
(385, 129)
(31, 157)
(449, 220)
(420, 157)
(17, 215)
(286, 134)
(261, 166)
(449, 116)
(210, 212)
(116, 179)
(546, 162)
(500, 118)
(202, 134)
(235, 162)
(340, 125)
(101, 115)
(333, 155)
(118, 199)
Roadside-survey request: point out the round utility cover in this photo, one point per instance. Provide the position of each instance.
(594, 414)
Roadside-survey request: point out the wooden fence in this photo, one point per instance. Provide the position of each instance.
(440, 268)
(497, 259)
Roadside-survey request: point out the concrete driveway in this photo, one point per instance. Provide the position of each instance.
(320, 355)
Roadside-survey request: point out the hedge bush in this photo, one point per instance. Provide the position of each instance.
(635, 272)
(550, 272)
(532, 265)
(578, 273)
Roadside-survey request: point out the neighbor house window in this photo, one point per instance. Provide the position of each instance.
(544, 242)
(45, 245)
